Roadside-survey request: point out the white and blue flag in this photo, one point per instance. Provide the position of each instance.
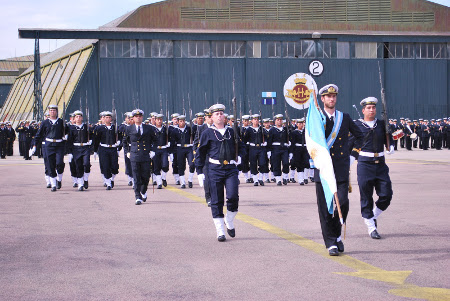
(319, 151)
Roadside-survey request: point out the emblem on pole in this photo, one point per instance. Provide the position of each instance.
(297, 90)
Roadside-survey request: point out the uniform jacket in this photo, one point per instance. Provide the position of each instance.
(139, 146)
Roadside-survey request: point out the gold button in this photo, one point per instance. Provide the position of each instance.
(332, 146)
(332, 154)
(342, 153)
(339, 138)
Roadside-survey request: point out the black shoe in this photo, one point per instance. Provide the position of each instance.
(159, 186)
(49, 185)
(183, 186)
(340, 246)
(190, 184)
(279, 183)
(312, 179)
(75, 185)
(164, 183)
(112, 184)
(333, 252)
(231, 232)
(293, 180)
(130, 183)
(285, 182)
(267, 181)
(81, 188)
(306, 181)
(247, 181)
(53, 189)
(144, 199)
(154, 182)
(274, 180)
(104, 185)
(58, 184)
(221, 238)
(256, 184)
(209, 203)
(86, 184)
(374, 234)
(138, 202)
(375, 221)
(302, 183)
(251, 180)
(108, 188)
(261, 182)
(177, 183)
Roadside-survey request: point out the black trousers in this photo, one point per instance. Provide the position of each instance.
(128, 168)
(55, 159)
(279, 156)
(206, 182)
(141, 176)
(160, 161)
(82, 160)
(330, 223)
(221, 178)
(374, 176)
(425, 143)
(257, 158)
(3, 149)
(109, 161)
(10, 147)
(185, 154)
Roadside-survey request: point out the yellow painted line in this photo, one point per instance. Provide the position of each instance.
(363, 269)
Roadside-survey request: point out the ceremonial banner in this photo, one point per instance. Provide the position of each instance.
(316, 144)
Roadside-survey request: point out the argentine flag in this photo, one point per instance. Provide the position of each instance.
(316, 144)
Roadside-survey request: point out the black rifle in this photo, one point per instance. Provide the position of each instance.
(383, 100)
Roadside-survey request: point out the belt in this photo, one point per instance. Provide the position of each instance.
(83, 144)
(162, 147)
(371, 155)
(225, 162)
(278, 143)
(43, 142)
(257, 145)
(299, 144)
(53, 140)
(108, 145)
(185, 145)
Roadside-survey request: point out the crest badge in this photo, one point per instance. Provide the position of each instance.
(298, 89)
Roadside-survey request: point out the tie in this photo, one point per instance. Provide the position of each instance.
(332, 119)
(139, 130)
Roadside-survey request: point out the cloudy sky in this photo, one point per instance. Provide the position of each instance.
(78, 14)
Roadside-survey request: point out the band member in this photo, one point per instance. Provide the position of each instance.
(26, 133)
(300, 153)
(79, 143)
(425, 135)
(183, 137)
(218, 144)
(128, 171)
(137, 141)
(160, 154)
(72, 165)
(256, 140)
(408, 130)
(372, 169)
(278, 152)
(53, 132)
(338, 127)
(3, 140)
(107, 146)
(438, 134)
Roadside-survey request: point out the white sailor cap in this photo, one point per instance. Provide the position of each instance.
(226, 115)
(420, 119)
(395, 120)
(52, 107)
(245, 117)
(128, 114)
(175, 115)
(266, 120)
(153, 114)
(414, 120)
(200, 114)
(402, 118)
(77, 112)
(137, 112)
(438, 119)
(71, 115)
(207, 112)
(231, 117)
(159, 116)
(301, 119)
(329, 89)
(181, 117)
(369, 101)
(255, 116)
(278, 116)
(216, 108)
(107, 113)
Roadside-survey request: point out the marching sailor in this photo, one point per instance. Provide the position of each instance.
(53, 132)
(128, 171)
(338, 127)
(173, 148)
(372, 169)
(278, 153)
(160, 154)
(137, 141)
(256, 140)
(218, 144)
(183, 138)
(300, 153)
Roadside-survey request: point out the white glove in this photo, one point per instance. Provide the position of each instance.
(168, 144)
(171, 157)
(239, 160)
(65, 137)
(269, 154)
(152, 154)
(291, 155)
(95, 156)
(117, 144)
(352, 160)
(118, 153)
(264, 144)
(32, 151)
(289, 143)
(128, 155)
(390, 151)
(89, 142)
(70, 156)
(201, 179)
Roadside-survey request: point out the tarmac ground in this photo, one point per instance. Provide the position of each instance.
(98, 245)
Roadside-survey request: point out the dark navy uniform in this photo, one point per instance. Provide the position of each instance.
(200, 130)
(300, 155)
(79, 144)
(173, 153)
(160, 159)
(26, 134)
(128, 169)
(107, 146)
(182, 139)
(425, 135)
(408, 130)
(138, 146)
(278, 145)
(257, 156)
(11, 138)
(3, 141)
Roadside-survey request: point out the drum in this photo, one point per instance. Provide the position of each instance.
(398, 134)
(413, 136)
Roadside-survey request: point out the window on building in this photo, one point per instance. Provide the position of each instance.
(273, 49)
(326, 49)
(156, 48)
(308, 49)
(291, 49)
(228, 49)
(399, 50)
(432, 51)
(118, 48)
(365, 50)
(192, 49)
(343, 50)
(254, 49)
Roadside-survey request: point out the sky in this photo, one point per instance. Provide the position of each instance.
(61, 14)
